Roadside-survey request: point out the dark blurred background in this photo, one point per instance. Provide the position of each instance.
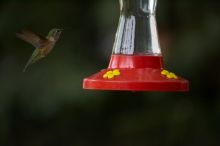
(46, 106)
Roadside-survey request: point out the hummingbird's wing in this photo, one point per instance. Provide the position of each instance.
(34, 57)
(32, 38)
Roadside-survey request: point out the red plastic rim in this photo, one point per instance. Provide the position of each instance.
(135, 80)
(137, 73)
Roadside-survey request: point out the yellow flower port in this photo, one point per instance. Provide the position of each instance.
(111, 74)
(168, 74)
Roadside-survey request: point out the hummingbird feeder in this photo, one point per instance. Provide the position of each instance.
(136, 63)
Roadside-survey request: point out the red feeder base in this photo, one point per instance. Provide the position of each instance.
(137, 73)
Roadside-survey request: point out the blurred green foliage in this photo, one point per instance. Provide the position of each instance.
(46, 106)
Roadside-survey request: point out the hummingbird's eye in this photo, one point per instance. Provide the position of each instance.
(58, 30)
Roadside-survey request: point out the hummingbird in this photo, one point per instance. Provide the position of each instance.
(43, 45)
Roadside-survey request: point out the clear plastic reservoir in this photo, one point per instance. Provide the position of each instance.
(137, 29)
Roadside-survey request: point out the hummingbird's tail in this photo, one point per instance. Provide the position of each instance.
(34, 57)
(26, 66)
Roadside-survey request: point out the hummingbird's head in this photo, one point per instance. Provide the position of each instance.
(55, 33)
